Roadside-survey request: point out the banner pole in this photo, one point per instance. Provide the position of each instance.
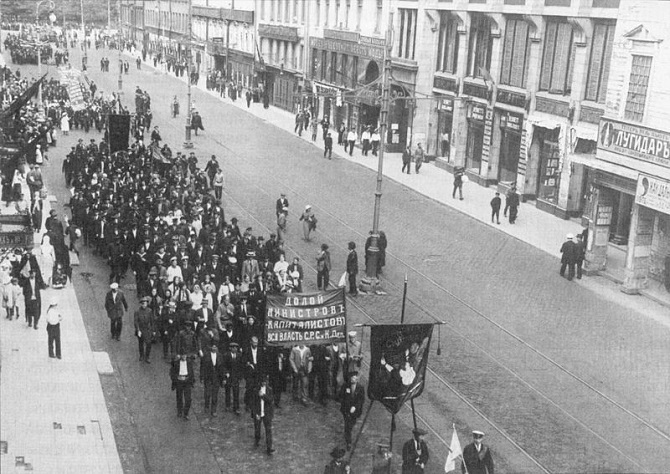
(392, 430)
(413, 412)
(404, 299)
(346, 341)
(360, 431)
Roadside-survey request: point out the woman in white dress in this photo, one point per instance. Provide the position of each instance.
(65, 124)
(47, 259)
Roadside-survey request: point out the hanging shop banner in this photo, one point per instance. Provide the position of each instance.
(653, 193)
(399, 357)
(310, 318)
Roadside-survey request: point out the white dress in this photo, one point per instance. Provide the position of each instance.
(47, 259)
(65, 123)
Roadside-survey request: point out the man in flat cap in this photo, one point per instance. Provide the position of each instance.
(415, 453)
(477, 456)
(234, 371)
(351, 406)
(115, 304)
(144, 329)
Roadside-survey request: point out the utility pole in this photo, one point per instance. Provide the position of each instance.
(228, 70)
(371, 262)
(84, 59)
(119, 47)
(187, 140)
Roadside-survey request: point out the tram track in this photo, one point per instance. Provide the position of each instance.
(471, 309)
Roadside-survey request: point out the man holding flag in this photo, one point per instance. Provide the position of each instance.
(477, 457)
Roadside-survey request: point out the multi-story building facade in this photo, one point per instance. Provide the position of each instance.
(630, 178)
(513, 90)
(519, 92)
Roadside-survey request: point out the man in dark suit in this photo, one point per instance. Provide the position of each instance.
(253, 360)
(183, 377)
(32, 296)
(115, 304)
(262, 412)
(477, 457)
(352, 268)
(277, 366)
(570, 253)
(351, 406)
(234, 372)
(213, 374)
(415, 453)
(282, 203)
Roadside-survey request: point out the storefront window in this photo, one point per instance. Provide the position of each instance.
(473, 151)
(549, 164)
(510, 146)
(444, 125)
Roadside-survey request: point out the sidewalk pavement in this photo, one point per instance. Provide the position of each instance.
(533, 226)
(52, 411)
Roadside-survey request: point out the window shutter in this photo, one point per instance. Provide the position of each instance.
(441, 43)
(452, 47)
(597, 48)
(508, 49)
(518, 76)
(561, 59)
(607, 57)
(548, 59)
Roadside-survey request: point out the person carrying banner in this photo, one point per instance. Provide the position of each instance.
(477, 456)
(353, 397)
(301, 364)
(415, 453)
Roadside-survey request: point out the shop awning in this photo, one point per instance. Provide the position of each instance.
(606, 166)
(545, 121)
(587, 131)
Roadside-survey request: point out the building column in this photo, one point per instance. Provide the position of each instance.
(639, 250)
(599, 231)
(625, 207)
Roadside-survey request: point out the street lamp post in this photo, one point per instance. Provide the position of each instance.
(373, 258)
(118, 47)
(187, 132)
(52, 18)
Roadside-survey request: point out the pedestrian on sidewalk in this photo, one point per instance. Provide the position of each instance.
(581, 251)
(496, 202)
(507, 199)
(248, 97)
(351, 141)
(459, 172)
(54, 319)
(32, 297)
(325, 127)
(314, 128)
(365, 141)
(183, 377)
(407, 160)
(375, 138)
(341, 130)
(12, 296)
(352, 268)
(328, 146)
(175, 107)
(512, 204)
(569, 251)
(115, 304)
(418, 158)
(299, 121)
(196, 122)
(218, 185)
(144, 329)
(281, 225)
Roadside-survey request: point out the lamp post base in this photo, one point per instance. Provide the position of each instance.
(187, 137)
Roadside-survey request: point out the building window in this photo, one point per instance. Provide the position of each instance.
(296, 12)
(637, 88)
(359, 15)
(347, 14)
(516, 51)
(558, 58)
(318, 13)
(326, 14)
(481, 43)
(407, 36)
(272, 9)
(378, 17)
(315, 63)
(447, 47)
(324, 65)
(338, 5)
(333, 68)
(599, 65)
